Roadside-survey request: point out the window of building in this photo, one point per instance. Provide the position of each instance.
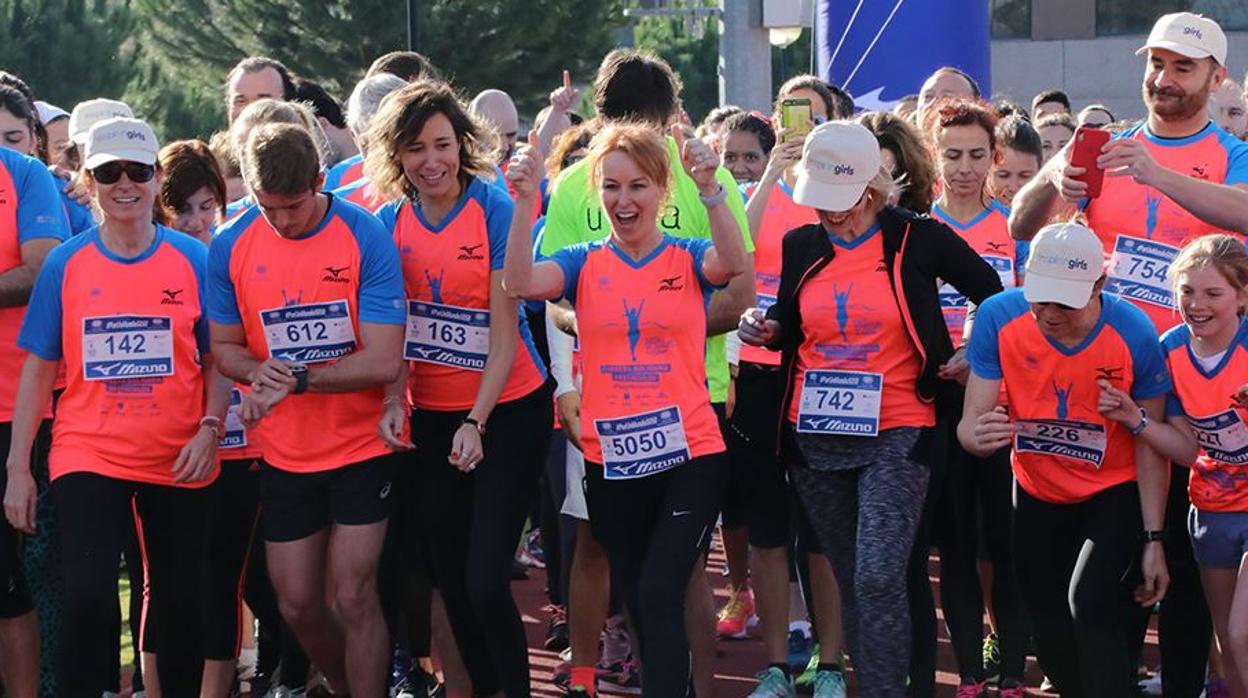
(1011, 19)
(1137, 16)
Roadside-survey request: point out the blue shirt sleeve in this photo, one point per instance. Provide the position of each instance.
(221, 296)
(697, 249)
(197, 255)
(1174, 408)
(983, 352)
(1022, 250)
(40, 213)
(381, 276)
(41, 327)
(498, 210)
(571, 259)
(1236, 159)
(1150, 378)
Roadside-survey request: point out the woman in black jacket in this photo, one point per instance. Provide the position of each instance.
(866, 356)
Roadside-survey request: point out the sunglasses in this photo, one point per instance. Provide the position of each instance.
(110, 172)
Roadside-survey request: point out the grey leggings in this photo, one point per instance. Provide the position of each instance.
(864, 497)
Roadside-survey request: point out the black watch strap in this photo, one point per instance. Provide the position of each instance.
(301, 379)
(1154, 536)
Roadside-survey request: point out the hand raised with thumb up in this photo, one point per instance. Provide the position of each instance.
(527, 169)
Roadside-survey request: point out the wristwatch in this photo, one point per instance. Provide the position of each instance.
(300, 372)
(1139, 428)
(479, 425)
(1154, 536)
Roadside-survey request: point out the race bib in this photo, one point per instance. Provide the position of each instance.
(235, 435)
(1139, 271)
(311, 333)
(643, 444)
(844, 403)
(1004, 266)
(1223, 436)
(447, 335)
(126, 346)
(1082, 441)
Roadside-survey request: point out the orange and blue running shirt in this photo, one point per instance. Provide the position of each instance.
(304, 300)
(1143, 230)
(989, 235)
(1219, 480)
(857, 368)
(361, 193)
(30, 209)
(781, 215)
(645, 407)
(446, 275)
(135, 387)
(344, 173)
(1064, 450)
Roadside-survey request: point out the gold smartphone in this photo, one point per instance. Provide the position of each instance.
(795, 117)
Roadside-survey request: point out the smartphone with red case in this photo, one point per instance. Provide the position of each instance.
(1086, 149)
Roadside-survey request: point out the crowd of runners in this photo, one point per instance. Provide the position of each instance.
(340, 369)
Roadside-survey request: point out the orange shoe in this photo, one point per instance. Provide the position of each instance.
(737, 616)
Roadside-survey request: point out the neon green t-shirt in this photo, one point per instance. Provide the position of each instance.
(575, 215)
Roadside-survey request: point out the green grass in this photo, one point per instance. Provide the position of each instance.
(127, 646)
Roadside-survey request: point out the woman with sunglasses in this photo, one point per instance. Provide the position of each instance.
(857, 321)
(1090, 497)
(136, 429)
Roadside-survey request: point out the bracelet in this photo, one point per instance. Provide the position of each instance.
(1154, 536)
(209, 420)
(715, 199)
(472, 421)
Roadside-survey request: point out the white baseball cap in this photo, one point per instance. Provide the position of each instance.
(1065, 262)
(49, 112)
(89, 113)
(839, 159)
(1187, 34)
(120, 138)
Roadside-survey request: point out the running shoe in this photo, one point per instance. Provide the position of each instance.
(531, 550)
(805, 681)
(1151, 686)
(773, 683)
(616, 647)
(831, 684)
(577, 691)
(420, 684)
(627, 680)
(1015, 691)
(737, 616)
(557, 631)
(286, 692)
(977, 689)
(992, 657)
(1047, 686)
(562, 675)
(800, 647)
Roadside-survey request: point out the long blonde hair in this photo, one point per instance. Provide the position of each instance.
(1224, 253)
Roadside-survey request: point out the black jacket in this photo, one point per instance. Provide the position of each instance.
(917, 251)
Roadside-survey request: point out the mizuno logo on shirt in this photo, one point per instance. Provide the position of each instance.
(671, 284)
(171, 297)
(995, 246)
(335, 275)
(1108, 373)
(467, 252)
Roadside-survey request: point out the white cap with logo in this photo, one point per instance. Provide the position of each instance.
(120, 138)
(839, 159)
(1064, 264)
(89, 113)
(1187, 34)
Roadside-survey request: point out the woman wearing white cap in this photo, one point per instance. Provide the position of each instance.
(858, 322)
(136, 429)
(1090, 497)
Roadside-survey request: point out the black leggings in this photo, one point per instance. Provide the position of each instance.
(1184, 627)
(980, 485)
(472, 522)
(654, 529)
(93, 512)
(234, 517)
(1074, 565)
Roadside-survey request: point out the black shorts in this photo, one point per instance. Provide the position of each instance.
(759, 494)
(297, 505)
(15, 600)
